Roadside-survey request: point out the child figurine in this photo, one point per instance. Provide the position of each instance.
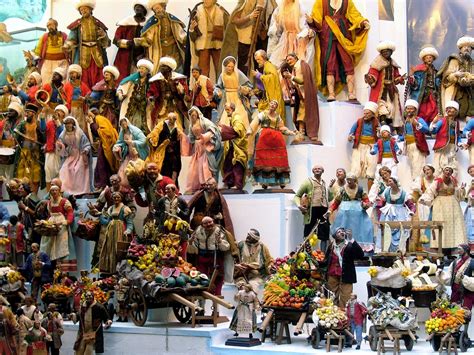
(244, 319)
(36, 338)
(122, 288)
(16, 236)
(386, 149)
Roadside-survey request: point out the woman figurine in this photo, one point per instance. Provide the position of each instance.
(469, 213)
(244, 319)
(423, 212)
(444, 195)
(131, 145)
(376, 199)
(76, 154)
(351, 204)
(208, 150)
(396, 206)
(270, 162)
(24, 324)
(60, 247)
(233, 86)
(119, 222)
(36, 338)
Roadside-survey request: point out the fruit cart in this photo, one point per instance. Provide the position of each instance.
(12, 286)
(144, 295)
(391, 321)
(58, 294)
(447, 326)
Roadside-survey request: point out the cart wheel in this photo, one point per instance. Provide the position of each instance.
(139, 310)
(315, 338)
(435, 342)
(182, 313)
(464, 341)
(373, 340)
(409, 342)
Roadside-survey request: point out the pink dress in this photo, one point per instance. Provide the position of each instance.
(74, 172)
(198, 172)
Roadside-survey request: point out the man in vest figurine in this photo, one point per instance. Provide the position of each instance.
(445, 147)
(363, 134)
(386, 150)
(416, 147)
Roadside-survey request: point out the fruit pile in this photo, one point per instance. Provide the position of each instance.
(329, 316)
(372, 271)
(174, 277)
(55, 291)
(285, 291)
(100, 296)
(176, 224)
(9, 275)
(136, 249)
(4, 241)
(445, 317)
(431, 287)
(307, 260)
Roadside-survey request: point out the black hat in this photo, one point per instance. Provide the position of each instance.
(31, 107)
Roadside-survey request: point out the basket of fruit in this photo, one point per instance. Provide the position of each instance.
(47, 228)
(329, 316)
(88, 228)
(10, 280)
(446, 317)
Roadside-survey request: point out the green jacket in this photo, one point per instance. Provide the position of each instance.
(307, 188)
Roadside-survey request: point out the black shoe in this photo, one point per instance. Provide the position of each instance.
(250, 336)
(348, 346)
(236, 334)
(358, 347)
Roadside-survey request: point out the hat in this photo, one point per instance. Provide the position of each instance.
(465, 41)
(76, 68)
(61, 71)
(63, 109)
(88, 3)
(31, 107)
(112, 70)
(140, 2)
(17, 107)
(37, 76)
(385, 128)
(70, 118)
(371, 106)
(169, 62)
(428, 50)
(152, 3)
(411, 102)
(386, 45)
(465, 247)
(253, 233)
(452, 104)
(145, 63)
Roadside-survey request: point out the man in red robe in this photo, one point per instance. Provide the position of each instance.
(128, 53)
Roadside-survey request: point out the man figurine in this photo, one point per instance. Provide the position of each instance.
(424, 85)
(386, 149)
(383, 78)
(254, 260)
(235, 150)
(364, 134)
(201, 92)
(7, 98)
(268, 83)
(162, 36)
(128, 29)
(54, 127)
(312, 200)
(104, 95)
(342, 33)
(91, 316)
(55, 88)
(210, 202)
(468, 132)
(165, 147)
(29, 135)
(457, 74)
(447, 138)
(339, 260)
(50, 51)
(133, 94)
(208, 21)
(88, 41)
(34, 83)
(305, 112)
(76, 91)
(32, 61)
(53, 323)
(416, 147)
(167, 91)
(247, 31)
(356, 313)
(154, 187)
(211, 242)
(38, 269)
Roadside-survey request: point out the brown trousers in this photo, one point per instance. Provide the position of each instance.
(341, 290)
(205, 56)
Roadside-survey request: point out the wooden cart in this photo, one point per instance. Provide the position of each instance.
(181, 299)
(450, 341)
(378, 335)
(277, 320)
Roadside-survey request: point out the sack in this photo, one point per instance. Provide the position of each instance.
(88, 337)
(217, 33)
(468, 283)
(88, 229)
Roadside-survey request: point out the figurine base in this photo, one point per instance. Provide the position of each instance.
(274, 190)
(232, 192)
(243, 342)
(306, 140)
(353, 101)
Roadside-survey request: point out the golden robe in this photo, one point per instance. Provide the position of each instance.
(271, 82)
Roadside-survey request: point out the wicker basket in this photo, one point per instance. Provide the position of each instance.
(46, 229)
(424, 298)
(383, 260)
